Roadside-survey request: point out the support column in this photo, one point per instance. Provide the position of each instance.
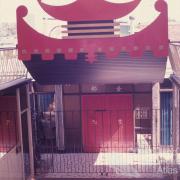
(59, 117)
(175, 127)
(24, 115)
(156, 116)
(29, 121)
(176, 116)
(20, 130)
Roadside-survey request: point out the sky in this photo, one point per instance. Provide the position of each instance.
(8, 8)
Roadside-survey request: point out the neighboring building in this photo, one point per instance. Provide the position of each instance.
(8, 35)
(14, 110)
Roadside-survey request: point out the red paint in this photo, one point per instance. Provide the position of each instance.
(107, 123)
(84, 10)
(153, 37)
(8, 124)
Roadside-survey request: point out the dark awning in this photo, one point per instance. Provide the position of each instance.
(123, 69)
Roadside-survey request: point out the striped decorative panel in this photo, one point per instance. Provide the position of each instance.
(78, 29)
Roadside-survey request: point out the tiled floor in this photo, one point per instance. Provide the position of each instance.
(105, 165)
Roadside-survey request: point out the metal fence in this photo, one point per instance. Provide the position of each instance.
(10, 67)
(95, 151)
(108, 164)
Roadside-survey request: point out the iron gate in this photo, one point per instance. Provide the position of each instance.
(141, 159)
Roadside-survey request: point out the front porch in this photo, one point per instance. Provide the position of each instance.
(103, 135)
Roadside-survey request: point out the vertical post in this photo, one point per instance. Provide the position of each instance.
(131, 18)
(59, 117)
(175, 126)
(20, 129)
(156, 116)
(30, 137)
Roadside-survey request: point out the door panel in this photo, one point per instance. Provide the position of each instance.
(107, 123)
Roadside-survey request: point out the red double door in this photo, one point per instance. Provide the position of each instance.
(107, 123)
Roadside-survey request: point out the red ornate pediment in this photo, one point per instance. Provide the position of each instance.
(89, 10)
(153, 38)
(86, 38)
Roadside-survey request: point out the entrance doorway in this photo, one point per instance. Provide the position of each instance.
(107, 123)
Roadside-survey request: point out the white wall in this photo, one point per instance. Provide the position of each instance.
(11, 166)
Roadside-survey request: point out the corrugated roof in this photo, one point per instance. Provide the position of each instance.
(11, 69)
(13, 83)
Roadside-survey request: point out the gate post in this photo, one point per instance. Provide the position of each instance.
(31, 149)
(59, 117)
(175, 127)
(156, 116)
(20, 129)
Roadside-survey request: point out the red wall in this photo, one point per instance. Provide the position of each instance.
(8, 123)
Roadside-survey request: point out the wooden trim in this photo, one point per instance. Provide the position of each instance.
(91, 30)
(30, 136)
(134, 120)
(59, 118)
(91, 25)
(156, 116)
(98, 93)
(175, 125)
(166, 90)
(20, 130)
(90, 36)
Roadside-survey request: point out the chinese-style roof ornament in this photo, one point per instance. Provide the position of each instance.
(90, 10)
(91, 28)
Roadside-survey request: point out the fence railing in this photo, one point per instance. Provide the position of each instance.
(100, 143)
(10, 67)
(110, 164)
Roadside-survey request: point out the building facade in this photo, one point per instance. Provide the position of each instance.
(100, 105)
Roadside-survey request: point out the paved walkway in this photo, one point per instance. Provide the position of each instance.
(106, 165)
